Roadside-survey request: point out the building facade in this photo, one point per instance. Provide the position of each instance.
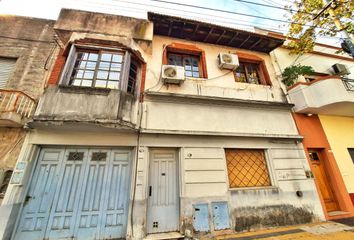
(117, 149)
(323, 113)
(26, 49)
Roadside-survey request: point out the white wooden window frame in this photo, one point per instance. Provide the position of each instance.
(123, 82)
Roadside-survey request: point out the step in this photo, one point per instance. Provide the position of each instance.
(160, 236)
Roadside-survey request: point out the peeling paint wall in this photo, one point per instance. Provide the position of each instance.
(204, 180)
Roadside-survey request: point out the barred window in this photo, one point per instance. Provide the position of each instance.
(247, 168)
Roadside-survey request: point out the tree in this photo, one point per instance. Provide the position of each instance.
(307, 24)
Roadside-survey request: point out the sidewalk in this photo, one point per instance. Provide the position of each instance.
(315, 231)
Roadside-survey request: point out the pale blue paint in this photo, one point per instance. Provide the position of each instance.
(220, 215)
(201, 217)
(81, 199)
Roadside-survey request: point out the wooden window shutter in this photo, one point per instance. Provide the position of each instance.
(69, 65)
(7, 65)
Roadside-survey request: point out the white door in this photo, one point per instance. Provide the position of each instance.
(163, 202)
(77, 193)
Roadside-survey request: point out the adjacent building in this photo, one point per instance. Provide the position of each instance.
(163, 125)
(27, 46)
(323, 112)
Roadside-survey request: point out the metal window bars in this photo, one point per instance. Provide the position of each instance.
(16, 101)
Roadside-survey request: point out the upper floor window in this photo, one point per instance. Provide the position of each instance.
(97, 69)
(7, 65)
(101, 68)
(189, 62)
(252, 69)
(248, 72)
(188, 56)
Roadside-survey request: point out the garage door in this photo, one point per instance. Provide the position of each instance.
(77, 193)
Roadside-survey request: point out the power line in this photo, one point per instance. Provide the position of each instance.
(273, 27)
(273, 6)
(236, 13)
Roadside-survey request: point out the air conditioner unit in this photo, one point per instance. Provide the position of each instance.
(340, 69)
(228, 61)
(173, 74)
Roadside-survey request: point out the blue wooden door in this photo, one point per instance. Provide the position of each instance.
(163, 202)
(89, 196)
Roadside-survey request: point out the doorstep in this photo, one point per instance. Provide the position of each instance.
(160, 236)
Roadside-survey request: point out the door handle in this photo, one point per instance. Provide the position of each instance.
(150, 190)
(27, 198)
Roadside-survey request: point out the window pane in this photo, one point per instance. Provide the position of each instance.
(101, 84)
(188, 74)
(102, 74)
(114, 76)
(88, 74)
(80, 74)
(82, 65)
(93, 57)
(240, 74)
(91, 65)
(76, 82)
(86, 83)
(247, 168)
(252, 73)
(106, 57)
(113, 84)
(196, 74)
(195, 69)
(104, 65)
(116, 66)
(117, 58)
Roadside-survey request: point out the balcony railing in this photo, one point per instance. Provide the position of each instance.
(17, 102)
(348, 83)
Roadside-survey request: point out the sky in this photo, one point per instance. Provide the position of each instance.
(138, 8)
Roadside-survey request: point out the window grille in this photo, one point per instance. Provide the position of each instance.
(247, 168)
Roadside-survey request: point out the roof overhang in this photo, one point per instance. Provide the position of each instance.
(193, 30)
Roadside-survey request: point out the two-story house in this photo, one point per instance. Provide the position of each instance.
(27, 47)
(165, 125)
(323, 113)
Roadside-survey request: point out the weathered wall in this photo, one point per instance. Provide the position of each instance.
(80, 21)
(31, 41)
(204, 179)
(219, 83)
(212, 117)
(11, 140)
(86, 104)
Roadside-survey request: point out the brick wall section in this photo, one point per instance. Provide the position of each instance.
(57, 68)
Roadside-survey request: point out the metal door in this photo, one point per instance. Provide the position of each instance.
(163, 202)
(85, 195)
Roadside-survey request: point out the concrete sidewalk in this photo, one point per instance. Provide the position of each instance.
(316, 231)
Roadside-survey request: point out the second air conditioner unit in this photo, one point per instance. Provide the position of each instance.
(173, 74)
(228, 61)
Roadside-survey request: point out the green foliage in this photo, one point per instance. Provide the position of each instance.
(304, 29)
(290, 74)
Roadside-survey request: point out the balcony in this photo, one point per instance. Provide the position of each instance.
(331, 96)
(16, 108)
(71, 105)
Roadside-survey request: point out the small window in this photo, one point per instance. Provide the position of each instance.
(351, 152)
(133, 76)
(247, 168)
(7, 65)
(248, 73)
(97, 69)
(189, 62)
